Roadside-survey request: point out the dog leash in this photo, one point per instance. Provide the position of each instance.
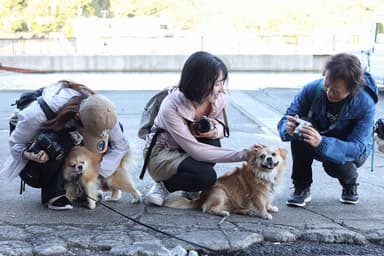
(147, 226)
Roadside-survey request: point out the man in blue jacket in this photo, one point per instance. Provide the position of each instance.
(340, 110)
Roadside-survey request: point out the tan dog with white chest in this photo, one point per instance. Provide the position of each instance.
(246, 190)
(81, 165)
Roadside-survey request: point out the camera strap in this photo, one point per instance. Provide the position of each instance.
(317, 95)
(225, 125)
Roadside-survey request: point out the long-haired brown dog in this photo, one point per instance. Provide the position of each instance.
(246, 190)
(81, 166)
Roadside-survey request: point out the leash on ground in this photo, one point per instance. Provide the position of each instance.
(149, 227)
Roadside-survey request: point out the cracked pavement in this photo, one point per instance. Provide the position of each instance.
(28, 228)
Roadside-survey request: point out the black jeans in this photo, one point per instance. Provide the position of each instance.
(193, 175)
(303, 156)
(50, 174)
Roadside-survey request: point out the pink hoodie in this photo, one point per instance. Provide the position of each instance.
(174, 111)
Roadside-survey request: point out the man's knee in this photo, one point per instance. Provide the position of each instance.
(346, 173)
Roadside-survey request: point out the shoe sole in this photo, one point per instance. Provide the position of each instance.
(348, 202)
(60, 208)
(307, 200)
(153, 201)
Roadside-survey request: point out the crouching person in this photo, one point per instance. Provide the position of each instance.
(192, 121)
(340, 109)
(39, 145)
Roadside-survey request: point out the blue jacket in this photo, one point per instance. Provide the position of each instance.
(351, 135)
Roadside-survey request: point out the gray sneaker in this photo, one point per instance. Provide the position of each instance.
(156, 194)
(349, 194)
(300, 197)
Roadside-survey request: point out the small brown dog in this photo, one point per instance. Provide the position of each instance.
(81, 165)
(246, 190)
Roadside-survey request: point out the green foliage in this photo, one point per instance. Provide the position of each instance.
(39, 17)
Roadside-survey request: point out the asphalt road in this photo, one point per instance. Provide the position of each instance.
(248, 126)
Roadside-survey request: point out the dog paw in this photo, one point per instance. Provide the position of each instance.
(91, 205)
(267, 216)
(115, 196)
(111, 198)
(136, 199)
(100, 195)
(273, 208)
(223, 213)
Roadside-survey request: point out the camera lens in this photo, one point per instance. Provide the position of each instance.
(46, 143)
(203, 125)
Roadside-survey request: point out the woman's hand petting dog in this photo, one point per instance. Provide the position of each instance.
(254, 149)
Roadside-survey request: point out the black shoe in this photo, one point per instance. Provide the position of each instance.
(300, 197)
(60, 203)
(349, 194)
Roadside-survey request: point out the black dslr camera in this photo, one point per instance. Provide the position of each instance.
(299, 124)
(46, 142)
(203, 124)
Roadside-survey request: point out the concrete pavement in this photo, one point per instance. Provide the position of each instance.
(28, 228)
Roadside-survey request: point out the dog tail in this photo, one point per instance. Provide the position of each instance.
(182, 203)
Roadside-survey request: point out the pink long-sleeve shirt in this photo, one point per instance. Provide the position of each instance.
(175, 112)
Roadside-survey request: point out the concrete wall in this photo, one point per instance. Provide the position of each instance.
(153, 63)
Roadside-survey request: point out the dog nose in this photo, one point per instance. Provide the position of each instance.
(80, 167)
(269, 159)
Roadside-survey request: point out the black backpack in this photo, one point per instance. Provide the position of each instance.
(150, 112)
(31, 173)
(24, 100)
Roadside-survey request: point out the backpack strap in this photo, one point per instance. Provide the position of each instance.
(46, 109)
(149, 151)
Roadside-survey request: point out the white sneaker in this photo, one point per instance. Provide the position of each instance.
(157, 194)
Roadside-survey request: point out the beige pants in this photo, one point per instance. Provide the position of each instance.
(163, 163)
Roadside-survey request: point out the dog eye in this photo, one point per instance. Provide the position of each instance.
(262, 156)
(273, 154)
(72, 165)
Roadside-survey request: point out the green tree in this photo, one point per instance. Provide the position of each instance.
(40, 17)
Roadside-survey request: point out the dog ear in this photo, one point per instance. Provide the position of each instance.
(251, 154)
(283, 153)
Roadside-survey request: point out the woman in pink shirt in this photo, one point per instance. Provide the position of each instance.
(192, 120)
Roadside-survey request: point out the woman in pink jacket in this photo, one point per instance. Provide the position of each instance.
(192, 120)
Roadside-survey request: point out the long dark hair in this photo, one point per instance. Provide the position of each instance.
(199, 74)
(70, 109)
